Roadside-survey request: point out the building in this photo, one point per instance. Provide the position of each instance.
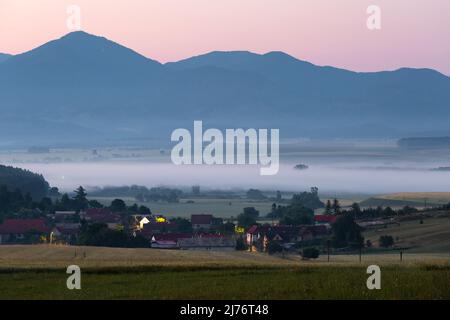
(214, 242)
(202, 221)
(168, 240)
(258, 237)
(326, 219)
(63, 216)
(188, 241)
(103, 215)
(23, 230)
(64, 234)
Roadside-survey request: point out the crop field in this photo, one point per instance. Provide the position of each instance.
(39, 272)
(417, 199)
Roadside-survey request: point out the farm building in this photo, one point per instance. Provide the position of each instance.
(258, 237)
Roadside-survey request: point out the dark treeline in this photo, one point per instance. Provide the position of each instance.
(25, 181)
(334, 208)
(15, 204)
(140, 193)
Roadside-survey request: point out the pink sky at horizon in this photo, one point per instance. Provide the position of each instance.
(324, 32)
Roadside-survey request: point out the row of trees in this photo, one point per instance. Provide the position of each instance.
(334, 208)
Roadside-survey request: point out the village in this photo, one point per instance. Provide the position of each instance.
(205, 231)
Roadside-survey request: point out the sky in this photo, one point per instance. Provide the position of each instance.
(414, 33)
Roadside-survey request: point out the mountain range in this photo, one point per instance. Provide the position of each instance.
(83, 90)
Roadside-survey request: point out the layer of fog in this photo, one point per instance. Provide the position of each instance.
(356, 178)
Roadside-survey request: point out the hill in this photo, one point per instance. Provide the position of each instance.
(418, 199)
(433, 236)
(83, 89)
(425, 142)
(24, 180)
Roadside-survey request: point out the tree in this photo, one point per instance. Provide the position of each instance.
(182, 225)
(386, 241)
(255, 194)
(66, 202)
(356, 209)
(308, 199)
(278, 197)
(98, 234)
(328, 208)
(346, 232)
(296, 215)
(310, 253)
(274, 247)
(245, 220)
(144, 210)
(336, 206)
(80, 199)
(240, 244)
(251, 211)
(118, 205)
(95, 204)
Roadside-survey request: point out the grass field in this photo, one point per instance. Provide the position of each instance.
(38, 272)
(425, 282)
(431, 236)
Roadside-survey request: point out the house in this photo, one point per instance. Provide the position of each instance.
(61, 216)
(103, 215)
(188, 241)
(143, 221)
(259, 237)
(202, 221)
(16, 230)
(168, 240)
(208, 242)
(64, 234)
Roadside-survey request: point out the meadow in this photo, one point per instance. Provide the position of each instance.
(39, 272)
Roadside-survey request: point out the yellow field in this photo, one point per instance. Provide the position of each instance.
(46, 256)
(431, 197)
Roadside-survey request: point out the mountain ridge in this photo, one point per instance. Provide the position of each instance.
(103, 91)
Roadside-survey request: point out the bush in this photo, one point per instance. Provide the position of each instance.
(274, 247)
(386, 241)
(310, 253)
(241, 245)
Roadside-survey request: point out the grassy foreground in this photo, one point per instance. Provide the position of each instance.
(419, 282)
(39, 272)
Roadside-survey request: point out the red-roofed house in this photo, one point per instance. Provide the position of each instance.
(103, 215)
(168, 240)
(15, 230)
(187, 241)
(324, 219)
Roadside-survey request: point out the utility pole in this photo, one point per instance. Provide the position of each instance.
(360, 250)
(328, 250)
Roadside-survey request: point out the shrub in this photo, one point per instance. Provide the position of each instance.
(241, 245)
(274, 247)
(310, 253)
(386, 241)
